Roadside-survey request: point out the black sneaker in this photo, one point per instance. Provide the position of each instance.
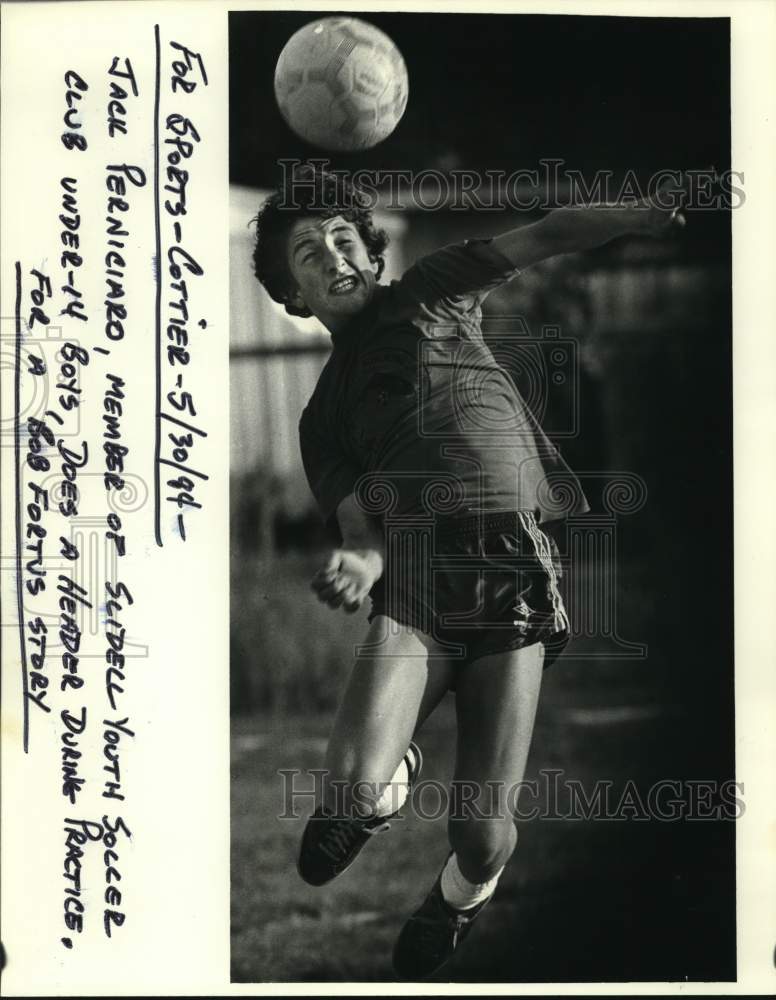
(330, 844)
(431, 935)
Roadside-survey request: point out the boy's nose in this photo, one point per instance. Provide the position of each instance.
(334, 261)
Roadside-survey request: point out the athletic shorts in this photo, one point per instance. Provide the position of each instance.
(478, 585)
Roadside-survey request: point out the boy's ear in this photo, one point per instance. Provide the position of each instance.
(377, 267)
(295, 304)
(295, 299)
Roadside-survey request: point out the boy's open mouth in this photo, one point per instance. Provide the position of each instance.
(342, 286)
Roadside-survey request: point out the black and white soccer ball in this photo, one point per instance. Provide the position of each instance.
(341, 84)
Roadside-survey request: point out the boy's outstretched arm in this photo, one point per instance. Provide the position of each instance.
(348, 574)
(568, 230)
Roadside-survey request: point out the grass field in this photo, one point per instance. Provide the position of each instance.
(581, 900)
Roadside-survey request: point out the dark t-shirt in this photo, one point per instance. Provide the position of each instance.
(412, 394)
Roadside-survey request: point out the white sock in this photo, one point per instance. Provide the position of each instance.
(394, 794)
(459, 892)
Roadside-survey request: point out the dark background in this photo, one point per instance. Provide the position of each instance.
(581, 901)
(502, 91)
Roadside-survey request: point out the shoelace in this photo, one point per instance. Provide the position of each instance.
(381, 828)
(429, 928)
(457, 925)
(343, 833)
(339, 836)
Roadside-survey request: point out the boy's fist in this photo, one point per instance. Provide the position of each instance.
(663, 210)
(347, 576)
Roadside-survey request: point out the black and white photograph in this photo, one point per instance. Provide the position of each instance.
(481, 473)
(387, 403)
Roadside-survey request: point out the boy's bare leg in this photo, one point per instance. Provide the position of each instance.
(496, 702)
(389, 694)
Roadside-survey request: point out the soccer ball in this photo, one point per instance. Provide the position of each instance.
(341, 84)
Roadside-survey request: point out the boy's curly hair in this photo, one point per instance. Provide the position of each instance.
(309, 192)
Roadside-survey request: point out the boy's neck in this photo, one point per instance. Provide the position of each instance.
(340, 327)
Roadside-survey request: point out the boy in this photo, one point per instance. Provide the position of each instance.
(412, 419)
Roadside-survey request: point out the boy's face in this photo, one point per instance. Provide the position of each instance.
(331, 269)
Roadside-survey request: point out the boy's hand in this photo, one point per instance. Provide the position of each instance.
(347, 577)
(577, 228)
(663, 212)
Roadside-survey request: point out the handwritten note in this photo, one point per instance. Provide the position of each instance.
(114, 330)
(115, 351)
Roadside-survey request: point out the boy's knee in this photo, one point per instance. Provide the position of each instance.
(483, 846)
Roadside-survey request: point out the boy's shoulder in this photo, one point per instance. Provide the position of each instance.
(454, 280)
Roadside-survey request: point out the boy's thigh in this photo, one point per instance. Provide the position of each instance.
(396, 679)
(496, 699)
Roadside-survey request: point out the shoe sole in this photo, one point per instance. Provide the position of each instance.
(413, 777)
